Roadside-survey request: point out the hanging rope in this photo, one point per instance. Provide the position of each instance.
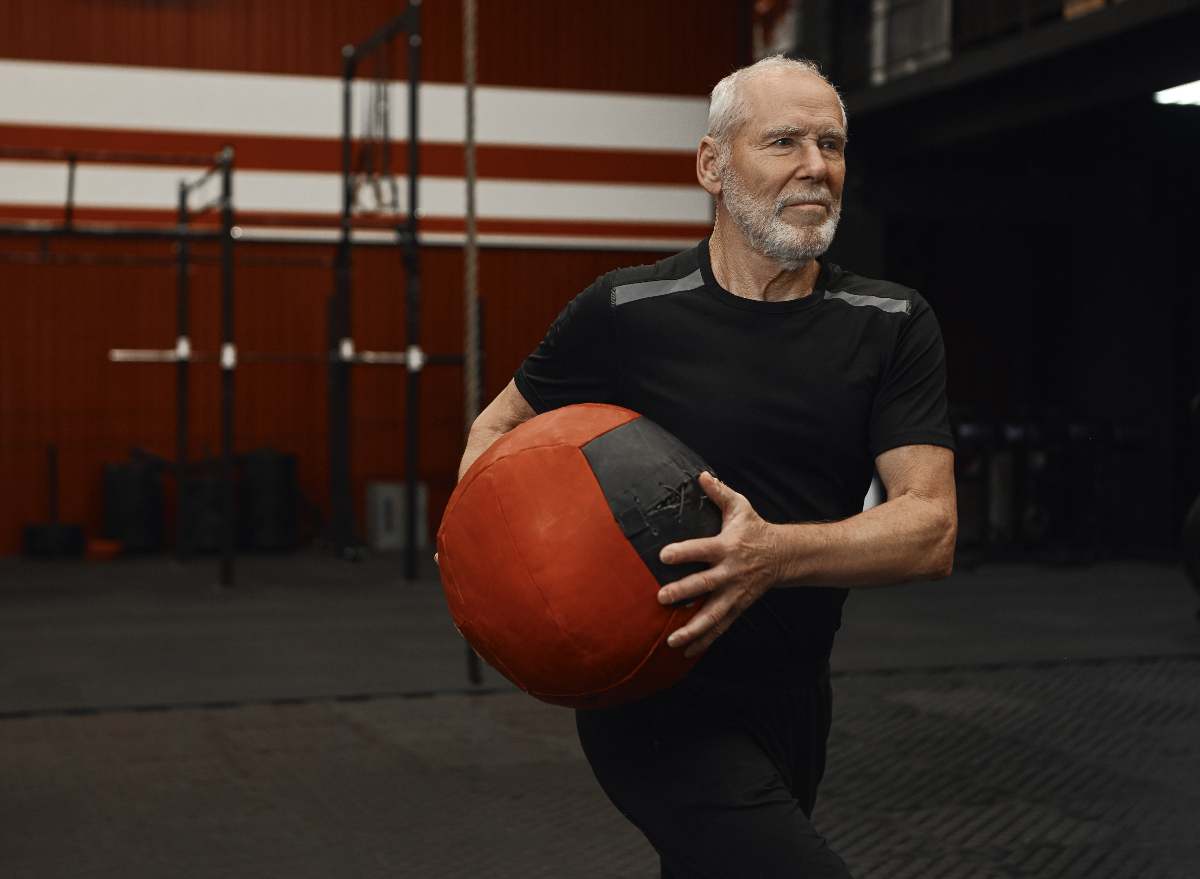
(472, 384)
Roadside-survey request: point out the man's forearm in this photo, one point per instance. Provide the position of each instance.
(507, 411)
(478, 441)
(907, 538)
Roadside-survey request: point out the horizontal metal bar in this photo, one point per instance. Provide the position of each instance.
(122, 158)
(142, 355)
(34, 229)
(386, 358)
(376, 358)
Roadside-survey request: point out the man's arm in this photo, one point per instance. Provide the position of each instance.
(910, 537)
(507, 411)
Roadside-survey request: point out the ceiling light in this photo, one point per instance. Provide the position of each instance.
(1181, 94)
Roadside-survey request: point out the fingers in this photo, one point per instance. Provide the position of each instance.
(689, 588)
(722, 606)
(718, 492)
(705, 549)
(729, 584)
(701, 549)
(706, 626)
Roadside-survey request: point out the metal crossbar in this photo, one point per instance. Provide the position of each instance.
(107, 156)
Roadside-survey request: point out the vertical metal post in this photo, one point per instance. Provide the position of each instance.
(228, 364)
(69, 212)
(183, 353)
(342, 529)
(413, 298)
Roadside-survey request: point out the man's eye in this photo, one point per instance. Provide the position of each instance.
(783, 141)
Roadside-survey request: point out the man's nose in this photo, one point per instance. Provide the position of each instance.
(810, 163)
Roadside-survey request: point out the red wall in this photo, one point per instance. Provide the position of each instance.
(56, 384)
(58, 321)
(664, 46)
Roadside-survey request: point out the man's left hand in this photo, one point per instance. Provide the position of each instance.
(744, 561)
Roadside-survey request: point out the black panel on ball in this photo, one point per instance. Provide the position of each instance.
(650, 480)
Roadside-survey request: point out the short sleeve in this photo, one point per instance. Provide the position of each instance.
(577, 360)
(910, 405)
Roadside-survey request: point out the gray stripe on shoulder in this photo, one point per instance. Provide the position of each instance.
(647, 289)
(899, 306)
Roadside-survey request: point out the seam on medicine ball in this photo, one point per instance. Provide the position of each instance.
(595, 694)
(673, 612)
(657, 644)
(549, 444)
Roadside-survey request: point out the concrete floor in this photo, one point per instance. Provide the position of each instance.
(317, 721)
(153, 632)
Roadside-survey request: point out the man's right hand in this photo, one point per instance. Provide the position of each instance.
(743, 565)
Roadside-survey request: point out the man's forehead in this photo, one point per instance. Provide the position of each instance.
(789, 92)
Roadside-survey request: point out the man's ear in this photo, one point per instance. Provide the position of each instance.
(707, 162)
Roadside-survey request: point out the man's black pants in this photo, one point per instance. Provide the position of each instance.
(720, 773)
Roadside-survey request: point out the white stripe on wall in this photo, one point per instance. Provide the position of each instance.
(44, 184)
(167, 99)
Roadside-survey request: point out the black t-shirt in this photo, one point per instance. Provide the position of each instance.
(788, 402)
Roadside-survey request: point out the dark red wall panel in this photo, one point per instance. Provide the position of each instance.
(666, 46)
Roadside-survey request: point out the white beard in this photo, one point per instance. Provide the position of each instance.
(766, 230)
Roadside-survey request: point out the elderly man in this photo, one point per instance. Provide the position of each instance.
(793, 379)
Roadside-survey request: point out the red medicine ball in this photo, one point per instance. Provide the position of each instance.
(548, 553)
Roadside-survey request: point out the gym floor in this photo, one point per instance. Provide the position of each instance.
(317, 721)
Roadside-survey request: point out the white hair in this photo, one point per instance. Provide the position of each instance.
(728, 109)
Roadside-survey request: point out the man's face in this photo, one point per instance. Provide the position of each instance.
(781, 181)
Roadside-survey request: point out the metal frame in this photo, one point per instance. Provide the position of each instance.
(343, 530)
(181, 355)
(341, 352)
